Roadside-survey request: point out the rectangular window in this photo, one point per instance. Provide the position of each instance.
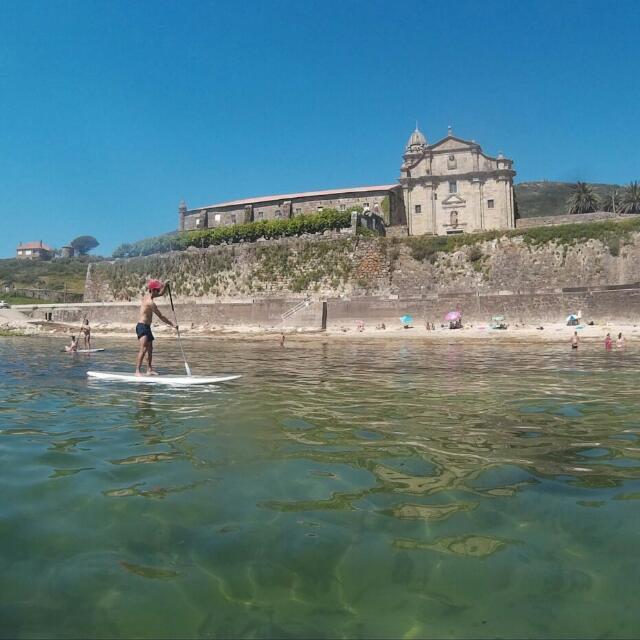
(435, 195)
(418, 208)
(490, 204)
(453, 186)
(366, 205)
(298, 210)
(343, 207)
(233, 218)
(217, 217)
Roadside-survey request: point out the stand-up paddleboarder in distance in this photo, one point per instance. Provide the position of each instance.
(143, 328)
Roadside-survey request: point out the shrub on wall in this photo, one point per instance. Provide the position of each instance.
(610, 232)
(248, 232)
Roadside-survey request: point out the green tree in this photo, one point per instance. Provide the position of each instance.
(83, 244)
(612, 200)
(583, 199)
(630, 201)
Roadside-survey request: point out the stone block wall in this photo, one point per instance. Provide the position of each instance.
(328, 264)
(505, 275)
(298, 204)
(254, 314)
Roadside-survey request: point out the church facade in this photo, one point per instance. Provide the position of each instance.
(452, 186)
(448, 187)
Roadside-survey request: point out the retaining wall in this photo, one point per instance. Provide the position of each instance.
(620, 303)
(262, 314)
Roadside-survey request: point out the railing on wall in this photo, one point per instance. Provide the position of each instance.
(301, 305)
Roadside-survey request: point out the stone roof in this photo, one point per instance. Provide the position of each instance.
(417, 139)
(34, 245)
(295, 196)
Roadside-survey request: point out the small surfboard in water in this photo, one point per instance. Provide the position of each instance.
(83, 350)
(183, 381)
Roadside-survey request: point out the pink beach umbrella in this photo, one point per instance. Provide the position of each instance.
(453, 315)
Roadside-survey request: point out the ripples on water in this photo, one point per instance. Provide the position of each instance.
(335, 490)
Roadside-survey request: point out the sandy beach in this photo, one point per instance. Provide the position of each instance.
(472, 332)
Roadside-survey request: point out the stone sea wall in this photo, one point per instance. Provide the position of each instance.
(377, 279)
(259, 314)
(335, 266)
(621, 304)
(330, 264)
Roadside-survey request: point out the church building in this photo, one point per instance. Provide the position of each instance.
(447, 187)
(452, 186)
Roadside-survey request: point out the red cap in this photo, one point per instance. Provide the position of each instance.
(154, 285)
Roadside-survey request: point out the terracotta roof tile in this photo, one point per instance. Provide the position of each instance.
(34, 245)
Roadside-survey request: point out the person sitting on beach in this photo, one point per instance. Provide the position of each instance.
(608, 342)
(574, 340)
(143, 328)
(86, 331)
(620, 341)
(73, 346)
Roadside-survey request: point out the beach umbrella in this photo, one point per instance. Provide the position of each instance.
(453, 315)
(571, 317)
(498, 318)
(406, 320)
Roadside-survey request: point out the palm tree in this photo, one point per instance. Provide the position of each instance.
(583, 199)
(630, 201)
(611, 201)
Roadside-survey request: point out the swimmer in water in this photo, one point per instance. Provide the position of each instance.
(574, 340)
(73, 347)
(608, 342)
(620, 341)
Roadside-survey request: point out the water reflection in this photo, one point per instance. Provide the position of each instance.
(335, 490)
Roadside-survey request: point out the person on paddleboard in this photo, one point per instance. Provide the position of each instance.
(143, 328)
(86, 332)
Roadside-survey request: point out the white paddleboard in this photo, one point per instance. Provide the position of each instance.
(87, 350)
(170, 380)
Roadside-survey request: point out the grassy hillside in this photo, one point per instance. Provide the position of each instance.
(549, 198)
(54, 274)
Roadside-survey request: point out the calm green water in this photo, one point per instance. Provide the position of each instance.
(335, 490)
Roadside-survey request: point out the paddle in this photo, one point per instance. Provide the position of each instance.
(175, 317)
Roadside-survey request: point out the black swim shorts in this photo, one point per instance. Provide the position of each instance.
(144, 330)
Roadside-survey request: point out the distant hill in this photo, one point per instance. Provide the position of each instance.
(45, 274)
(549, 198)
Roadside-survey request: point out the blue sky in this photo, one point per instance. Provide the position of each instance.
(111, 112)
